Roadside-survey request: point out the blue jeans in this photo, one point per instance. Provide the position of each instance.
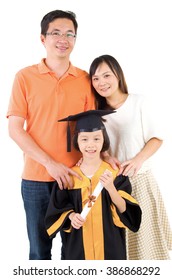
(36, 197)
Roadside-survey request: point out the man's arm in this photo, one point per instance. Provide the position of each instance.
(58, 171)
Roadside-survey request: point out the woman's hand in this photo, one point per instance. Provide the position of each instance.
(131, 167)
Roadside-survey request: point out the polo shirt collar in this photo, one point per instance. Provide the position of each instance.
(42, 67)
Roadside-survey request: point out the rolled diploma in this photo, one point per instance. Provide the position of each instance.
(95, 193)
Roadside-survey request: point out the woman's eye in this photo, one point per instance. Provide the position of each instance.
(95, 79)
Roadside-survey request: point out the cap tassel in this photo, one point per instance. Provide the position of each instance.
(68, 138)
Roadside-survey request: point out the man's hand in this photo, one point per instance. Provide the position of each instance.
(61, 173)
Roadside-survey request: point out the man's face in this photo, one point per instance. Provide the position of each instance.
(60, 38)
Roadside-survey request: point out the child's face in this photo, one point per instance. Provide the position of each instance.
(90, 143)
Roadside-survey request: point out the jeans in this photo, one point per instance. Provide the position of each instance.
(36, 197)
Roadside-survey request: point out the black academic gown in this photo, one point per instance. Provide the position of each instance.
(102, 236)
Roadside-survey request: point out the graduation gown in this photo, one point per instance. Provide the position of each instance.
(102, 237)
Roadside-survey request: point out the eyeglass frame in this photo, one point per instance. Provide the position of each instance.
(68, 35)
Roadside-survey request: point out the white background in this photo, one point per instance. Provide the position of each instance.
(136, 32)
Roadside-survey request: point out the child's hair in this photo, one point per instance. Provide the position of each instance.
(106, 142)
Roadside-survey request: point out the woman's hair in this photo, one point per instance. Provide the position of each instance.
(53, 15)
(116, 69)
(106, 142)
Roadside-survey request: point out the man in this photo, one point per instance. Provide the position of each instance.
(41, 95)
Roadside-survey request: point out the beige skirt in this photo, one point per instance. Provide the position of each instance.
(154, 238)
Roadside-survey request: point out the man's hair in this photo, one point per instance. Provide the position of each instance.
(51, 16)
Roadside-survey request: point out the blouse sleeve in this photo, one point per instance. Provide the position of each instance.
(151, 120)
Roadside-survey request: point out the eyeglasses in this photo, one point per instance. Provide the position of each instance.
(58, 35)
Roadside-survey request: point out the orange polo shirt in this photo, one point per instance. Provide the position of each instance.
(41, 99)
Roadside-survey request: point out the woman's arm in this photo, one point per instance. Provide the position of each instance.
(132, 166)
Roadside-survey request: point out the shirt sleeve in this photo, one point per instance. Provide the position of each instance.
(18, 103)
(90, 100)
(151, 120)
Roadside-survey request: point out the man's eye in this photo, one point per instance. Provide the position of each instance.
(55, 33)
(70, 35)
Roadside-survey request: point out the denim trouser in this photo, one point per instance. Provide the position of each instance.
(36, 197)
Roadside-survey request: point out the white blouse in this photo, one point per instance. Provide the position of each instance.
(133, 124)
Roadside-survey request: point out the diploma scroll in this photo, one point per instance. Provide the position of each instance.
(95, 193)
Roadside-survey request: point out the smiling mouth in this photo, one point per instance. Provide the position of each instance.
(105, 89)
(62, 48)
(90, 151)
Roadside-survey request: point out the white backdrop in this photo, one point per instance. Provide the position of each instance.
(136, 32)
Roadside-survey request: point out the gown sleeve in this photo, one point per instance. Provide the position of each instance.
(58, 211)
(131, 218)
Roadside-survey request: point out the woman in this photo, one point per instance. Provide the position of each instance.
(135, 137)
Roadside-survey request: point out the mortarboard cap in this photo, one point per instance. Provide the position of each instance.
(87, 121)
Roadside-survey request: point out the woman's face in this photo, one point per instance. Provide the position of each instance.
(104, 81)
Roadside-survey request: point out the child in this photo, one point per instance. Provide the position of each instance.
(101, 235)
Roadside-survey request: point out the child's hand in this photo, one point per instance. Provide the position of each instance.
(107, 180)
(76, 220)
